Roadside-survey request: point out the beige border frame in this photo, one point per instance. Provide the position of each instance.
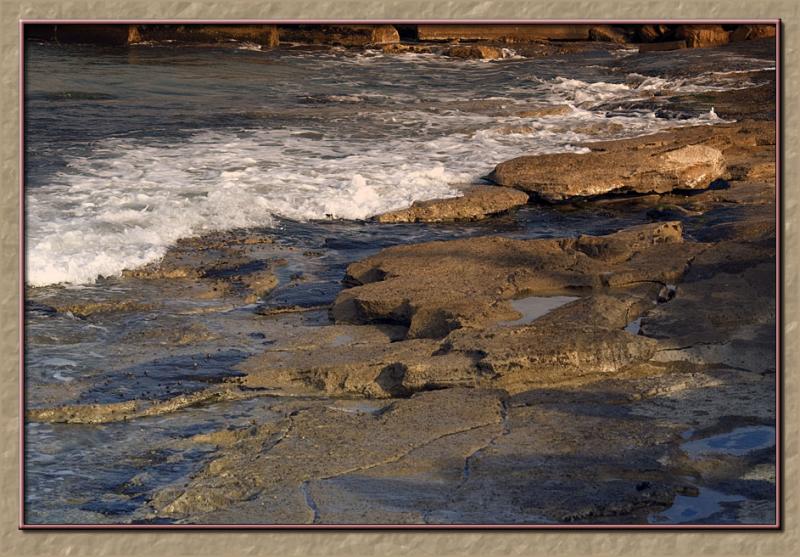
(389, 542)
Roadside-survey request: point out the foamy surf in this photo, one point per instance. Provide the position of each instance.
(123, 203)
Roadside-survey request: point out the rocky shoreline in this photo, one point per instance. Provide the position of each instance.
(459, 41)
(485, 379)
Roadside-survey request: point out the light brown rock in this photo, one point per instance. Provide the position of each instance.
(436, 287)
(651, 33)
(681, 159)
(702, 36)
(750, 32)
(545, 111)
(609, 34)
(476, 203)
(474, 52)
(324, 442)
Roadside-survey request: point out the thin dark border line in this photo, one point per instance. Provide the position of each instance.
(408, 21)
(777, 526)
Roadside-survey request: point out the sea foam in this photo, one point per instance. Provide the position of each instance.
(124, 203)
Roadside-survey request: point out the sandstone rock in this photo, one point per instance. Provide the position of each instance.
(436, 287)
(702, 36)
(400, 48)
(476, 203)
(573, 343)
(651, 33)
(654, 164)
(724, 311)
(434, 457)
(131, 409)
(545, 111)
(321, 443)
(226, 264)
(502, 33)
(608, 33)
(340, 35)
(83, 310)
(475, 52)
(750, 32)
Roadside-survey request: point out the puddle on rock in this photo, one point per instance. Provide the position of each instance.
(738, 442)
(687, 509)
(634, 326)
(534, 307)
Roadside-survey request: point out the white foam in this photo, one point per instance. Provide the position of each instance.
(124, 203)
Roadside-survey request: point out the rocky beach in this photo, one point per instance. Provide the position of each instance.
(445, 275)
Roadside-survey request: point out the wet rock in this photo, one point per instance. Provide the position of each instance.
(474, 52)
(221, 264)
(476, 203)
(702, 36)
(546, 111)
(339, 35)
(372, 371)
(273, 464)
(436, 287)
(402, 48)
(724, 320)
(751, 32)
(83, 310)
(632, 165)
(259, 284)
(131, 409)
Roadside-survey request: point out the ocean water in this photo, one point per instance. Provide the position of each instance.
(129, 149)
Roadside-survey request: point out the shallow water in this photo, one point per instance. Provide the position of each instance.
(687, 509)
(106, 473)
(738, 442)
(534, 307)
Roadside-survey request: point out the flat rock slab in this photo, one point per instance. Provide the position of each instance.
(476, 203)
(322, 442)
(433, 458)
(436, 287)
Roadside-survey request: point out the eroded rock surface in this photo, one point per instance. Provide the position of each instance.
(645, 169)
(684, 159)
(475, 52)
(321, 443)
(436, 287)
(476, 203)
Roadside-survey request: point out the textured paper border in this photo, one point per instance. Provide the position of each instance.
(173, 543)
